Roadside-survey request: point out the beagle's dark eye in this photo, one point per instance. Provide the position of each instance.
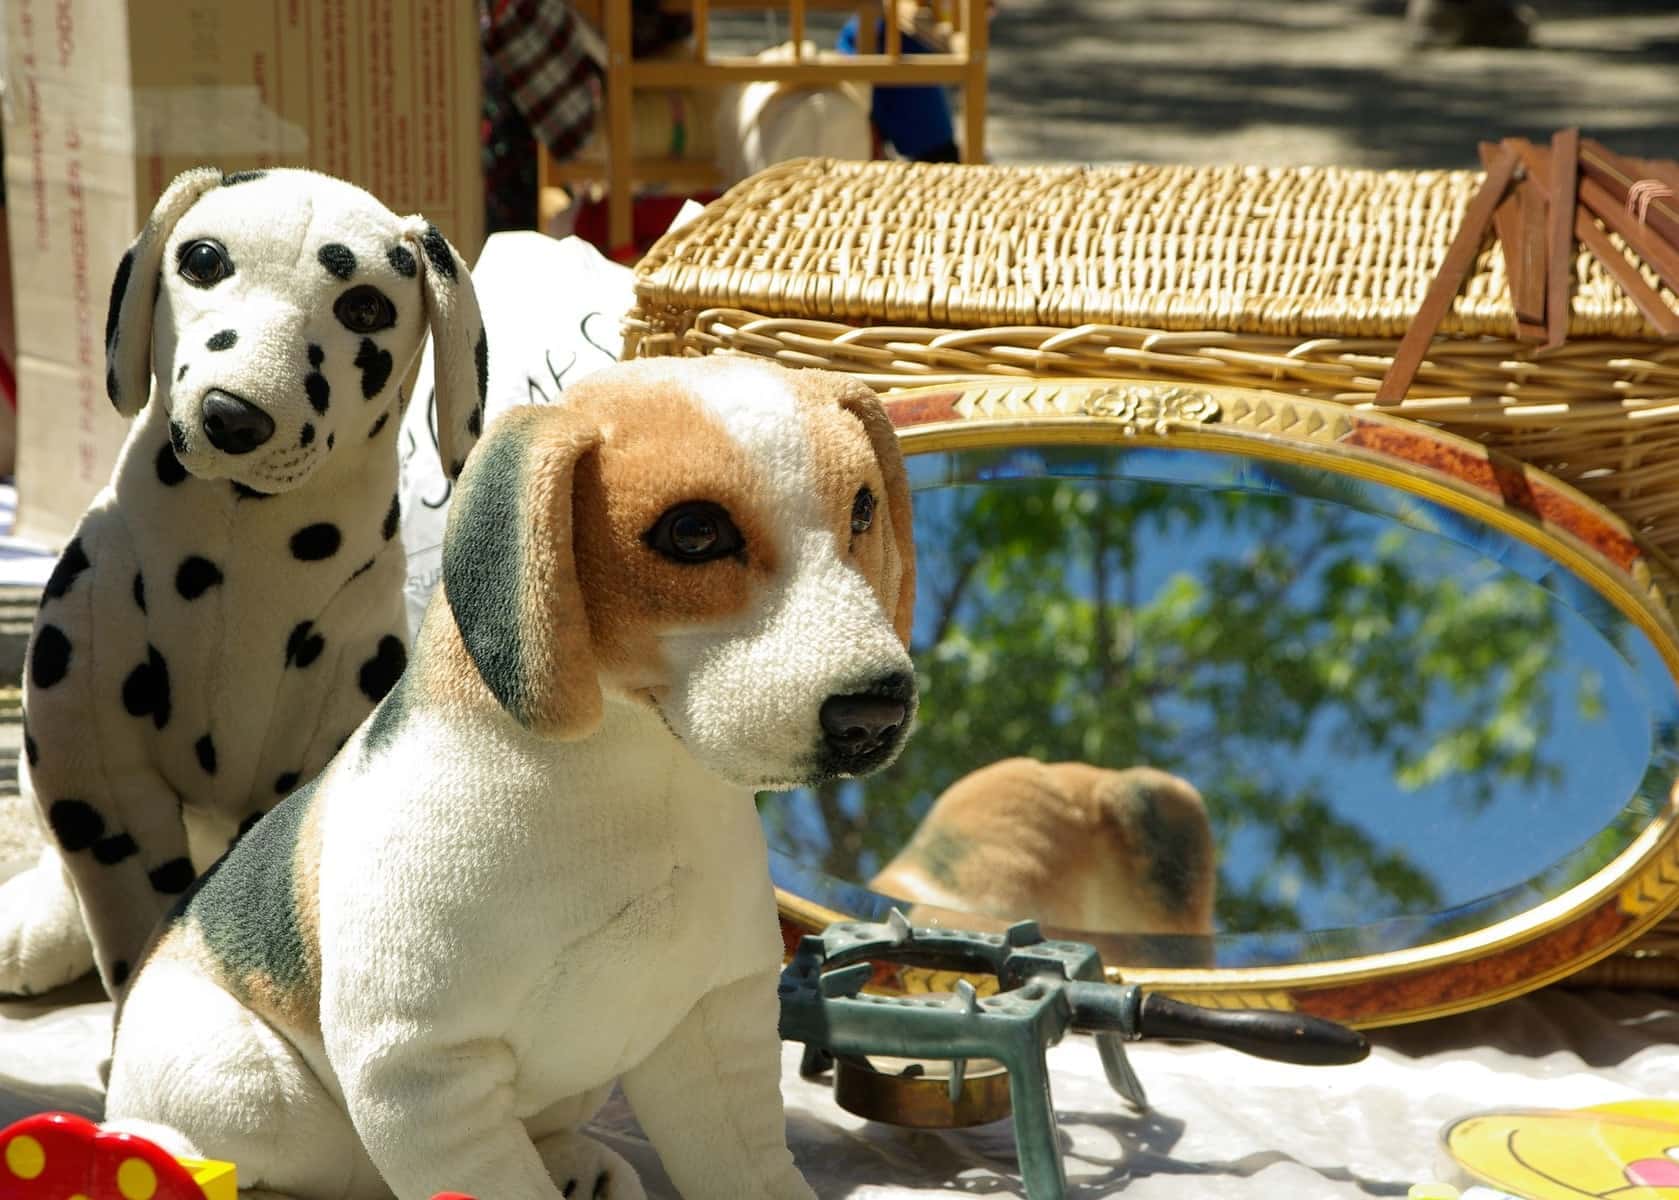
(204, 263)
(862, 510)
(364, 309)
(695, 532)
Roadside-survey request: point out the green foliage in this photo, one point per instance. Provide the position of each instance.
(1042, 633)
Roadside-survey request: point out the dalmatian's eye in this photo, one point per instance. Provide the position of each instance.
(204, 263)
(694, 532)
(862, 510)
(364, 309)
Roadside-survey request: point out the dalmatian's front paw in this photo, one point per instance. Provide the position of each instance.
(583, 1169)
(43, 942)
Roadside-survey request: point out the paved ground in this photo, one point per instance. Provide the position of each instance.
(1323, 82)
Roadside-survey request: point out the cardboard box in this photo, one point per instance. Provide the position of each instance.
(107, 100)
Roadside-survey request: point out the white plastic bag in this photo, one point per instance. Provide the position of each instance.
(553, 310)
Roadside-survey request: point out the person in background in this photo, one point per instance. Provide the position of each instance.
(915, 121)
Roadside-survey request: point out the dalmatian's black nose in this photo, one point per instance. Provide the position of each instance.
(858, 724)
(235, 425)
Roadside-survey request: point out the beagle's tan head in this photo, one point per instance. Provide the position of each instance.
(725, 541)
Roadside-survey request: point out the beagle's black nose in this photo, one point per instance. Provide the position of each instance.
(235, 425)
(854, 725)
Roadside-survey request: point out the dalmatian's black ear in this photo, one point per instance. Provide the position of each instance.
(510, 571)
(460, 351)
(128, 322)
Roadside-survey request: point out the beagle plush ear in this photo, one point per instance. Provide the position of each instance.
(510, 574)
(128, 322)
(859, 400)
(460, 352)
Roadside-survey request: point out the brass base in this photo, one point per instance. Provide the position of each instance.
(915, 1093)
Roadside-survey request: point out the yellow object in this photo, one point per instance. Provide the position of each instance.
(136, 1180)
(217, 1180)
(1628, 1150)
(25, 1158)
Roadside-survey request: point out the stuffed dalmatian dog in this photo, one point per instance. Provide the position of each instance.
(230, 606)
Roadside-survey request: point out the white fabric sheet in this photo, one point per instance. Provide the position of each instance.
(1222, 1125)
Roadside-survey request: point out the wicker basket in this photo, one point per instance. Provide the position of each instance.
(1300, 280)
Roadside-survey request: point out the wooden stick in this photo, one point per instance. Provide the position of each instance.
(1559, 269)
(796, 29)
(1595, 240)
(1507, 221)
(973, 84)
(1649, 302)
(1657, 254)
(1618, 174)
(1448, 281)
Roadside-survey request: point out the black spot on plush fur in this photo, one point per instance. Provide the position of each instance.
(145, 693)
(380, 673)
(177, 436)
(247, 903)
(196, 576)
(318, 390)
(173, 877)
(330, 439)
(378, 426)
(76, 824)
(205, 749)
(182, 373)
(119, 285)
(315, 542)
(108, 852)
(248, 824)
(285, 783)
(242, 177)
(169, 468)
(31, 751)
(393, 518)
(304, 645)
(225, 340)
(337, 258)
(481, 360)
(49, 661)
(437, 253)
(317, 356)
(70, 564)
(139, 591)
(306, 435)
(402, 262)
(375, 366)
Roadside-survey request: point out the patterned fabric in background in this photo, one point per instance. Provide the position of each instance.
(540, 82)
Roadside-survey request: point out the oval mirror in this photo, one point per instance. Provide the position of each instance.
(1276, 702)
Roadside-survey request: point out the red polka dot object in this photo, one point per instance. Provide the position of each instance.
(58, 1156)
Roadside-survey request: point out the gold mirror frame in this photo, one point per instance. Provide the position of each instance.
(1592, 919)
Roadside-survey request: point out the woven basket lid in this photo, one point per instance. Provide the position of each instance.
(1297, 251)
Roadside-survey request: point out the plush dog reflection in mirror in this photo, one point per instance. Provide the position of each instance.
(1071, 846)
(537, 868)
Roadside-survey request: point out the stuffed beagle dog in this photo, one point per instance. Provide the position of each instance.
(1069, 845)
(230, 607)
(537, 868)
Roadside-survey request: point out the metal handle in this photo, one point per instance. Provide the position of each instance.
(1283, 1036)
